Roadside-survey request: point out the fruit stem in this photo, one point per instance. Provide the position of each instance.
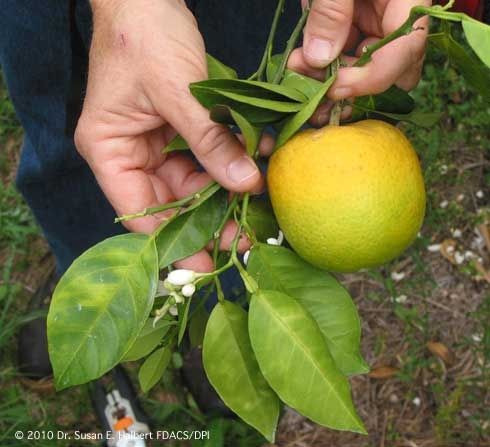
(332, 70)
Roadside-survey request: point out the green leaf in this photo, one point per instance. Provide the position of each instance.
(233, 371)
(250, 132)
(148, 339)
(478, 35)
(99, 307)
(255, 115)
(422, 119)
(253, 89)
(214, 96)
(190, 232)
(294, 359)
(197, 327)
(304, 84)
(177, 144)
(393, 100)
(294, 123)
(217, 69)
(277, 268)
(477, 75)
(152, 369)
(261, 219)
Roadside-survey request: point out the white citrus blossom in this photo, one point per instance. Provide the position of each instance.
(273, 241)
(188, 290)
(181, 277)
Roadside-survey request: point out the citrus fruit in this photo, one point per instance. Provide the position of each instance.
(348, 197)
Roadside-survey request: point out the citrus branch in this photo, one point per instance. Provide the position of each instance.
(415, 13)
(259, 74)
(291, 43)
(168, 206)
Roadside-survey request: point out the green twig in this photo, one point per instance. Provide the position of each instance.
(259, 74)
(167, 206)
(291, 44)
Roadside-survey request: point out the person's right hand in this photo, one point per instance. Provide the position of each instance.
(143, 57)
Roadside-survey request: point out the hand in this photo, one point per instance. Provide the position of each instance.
(337, 25)
(143, 56)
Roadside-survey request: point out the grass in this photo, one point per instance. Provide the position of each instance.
(427, 403)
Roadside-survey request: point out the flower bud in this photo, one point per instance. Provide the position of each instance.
(173, 311)
(181, 277)
(273, 241)
(188, 290)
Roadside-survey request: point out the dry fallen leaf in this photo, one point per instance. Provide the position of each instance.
(483, 273)
(440, 350)
(383, 372)
(485, 234)
(448, 250)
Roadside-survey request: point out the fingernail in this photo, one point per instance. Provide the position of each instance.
(242, 169)
(319, 50)
(342, 93)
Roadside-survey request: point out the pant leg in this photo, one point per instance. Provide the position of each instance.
(44, 61)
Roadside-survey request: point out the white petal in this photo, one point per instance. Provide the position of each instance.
(434, 247)
(245, 257)
(280, 237)
(479, 194)
(457, 233)
(173, 311)
(416, 401)
(273, 241)
(395, 276)
(444, 204)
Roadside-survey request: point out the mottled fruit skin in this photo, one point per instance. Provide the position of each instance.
(348, 197)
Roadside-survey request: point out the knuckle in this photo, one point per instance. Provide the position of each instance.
(330, 11)
(213, 139)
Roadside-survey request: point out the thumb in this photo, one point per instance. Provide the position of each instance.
(326, 31)
(216, 148)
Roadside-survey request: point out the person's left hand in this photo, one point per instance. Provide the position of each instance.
(337, 25)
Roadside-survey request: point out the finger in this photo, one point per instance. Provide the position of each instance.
(181, 175)
(326, 31)
(401, 59)
(228, 235)
(213, 144)
(199, 262)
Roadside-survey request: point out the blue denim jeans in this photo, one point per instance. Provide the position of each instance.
(43, 53)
